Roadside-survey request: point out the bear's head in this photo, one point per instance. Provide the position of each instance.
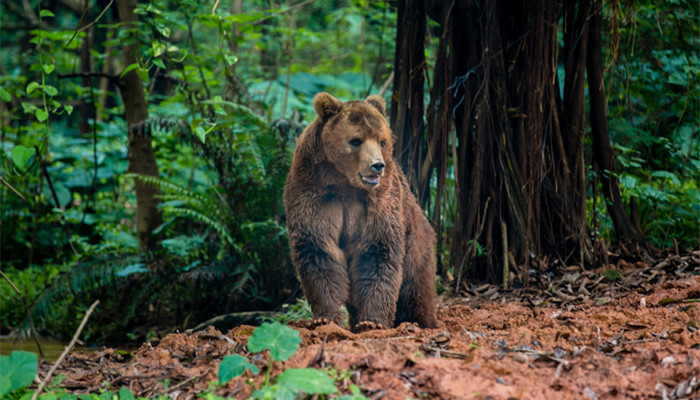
(356, 138)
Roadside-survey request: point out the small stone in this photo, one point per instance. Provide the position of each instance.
(520, 357)
(668, 361)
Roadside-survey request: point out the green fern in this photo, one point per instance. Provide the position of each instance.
(209, 209)
(96, 274)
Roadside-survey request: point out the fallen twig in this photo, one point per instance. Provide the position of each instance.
(183, 383)
(445, 353)
(68, 348)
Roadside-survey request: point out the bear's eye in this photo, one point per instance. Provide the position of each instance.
(383, 143)
(356, 142)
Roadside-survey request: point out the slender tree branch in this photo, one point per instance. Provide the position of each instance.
(29, 314)
(68, 348)
(4, 182)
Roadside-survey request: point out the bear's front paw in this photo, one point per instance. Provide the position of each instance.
(318, 322)
(365, 326)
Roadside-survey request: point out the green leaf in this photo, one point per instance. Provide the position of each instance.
(48, 68)
(198, 129)
(143, 74)
(45, 14)
(5, 95)
(274, 392)
(32, 86)
(125, 394)
(233, 366)
(127, 69)
(157, 48)
(132, 269)
(16, 371)
(20, 155)
(163, 30)
(50, 90)
(307, 380)
(282, 340)
(230, 59)
(159, 63)
(41, 114)
(28, 107)
(68, 108)
(667, 175)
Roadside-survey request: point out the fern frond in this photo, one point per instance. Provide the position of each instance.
(85, 277)
(221, 229)
(209, 203)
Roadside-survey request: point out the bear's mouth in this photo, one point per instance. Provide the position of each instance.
(372, 180)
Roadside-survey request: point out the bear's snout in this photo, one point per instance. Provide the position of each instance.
(378, 166)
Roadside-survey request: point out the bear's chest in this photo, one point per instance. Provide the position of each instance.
(354, 223)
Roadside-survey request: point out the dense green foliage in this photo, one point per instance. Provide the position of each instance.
(227, 93)
(654, 100)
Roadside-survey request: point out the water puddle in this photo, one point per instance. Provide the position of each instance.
(52, 348)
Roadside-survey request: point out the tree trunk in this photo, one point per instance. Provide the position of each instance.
(564, 231)
(141, 157)
(407, 98)
(516, 146)
(625, 230)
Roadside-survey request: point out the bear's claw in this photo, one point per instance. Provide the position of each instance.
(365, 326)
(316, 322)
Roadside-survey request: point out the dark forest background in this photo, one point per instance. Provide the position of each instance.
(144, 145)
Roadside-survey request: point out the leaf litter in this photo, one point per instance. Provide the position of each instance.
(592, 334)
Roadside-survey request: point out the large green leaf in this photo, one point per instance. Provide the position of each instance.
(282, 340)
(17, 370)
(125, 394)
(308, 380)
(20, 155)
(233, 366)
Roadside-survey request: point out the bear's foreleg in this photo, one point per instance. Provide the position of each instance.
(376, 279)
(324, 278)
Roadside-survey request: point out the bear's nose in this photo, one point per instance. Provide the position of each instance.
(378, 167)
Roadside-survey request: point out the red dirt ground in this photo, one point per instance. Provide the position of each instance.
(576, 336)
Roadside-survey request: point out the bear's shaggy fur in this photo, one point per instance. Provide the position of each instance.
(356, 232)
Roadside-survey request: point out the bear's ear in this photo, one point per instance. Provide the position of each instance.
(326, 105)
(378, 103)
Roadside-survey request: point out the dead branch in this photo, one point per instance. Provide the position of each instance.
(68, 348)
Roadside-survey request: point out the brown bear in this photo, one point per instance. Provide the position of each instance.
(356, 232)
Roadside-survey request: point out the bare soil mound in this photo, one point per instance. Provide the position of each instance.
(585, 334)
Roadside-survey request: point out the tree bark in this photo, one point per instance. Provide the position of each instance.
(625, 230)
(407, 98)
(141, 157)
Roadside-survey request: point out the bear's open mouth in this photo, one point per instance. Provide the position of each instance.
(372, 180)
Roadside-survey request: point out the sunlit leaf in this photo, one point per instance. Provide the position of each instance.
(282, 340)
(32, 86)
(157, 48)
(50, 90)
(16, 371)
